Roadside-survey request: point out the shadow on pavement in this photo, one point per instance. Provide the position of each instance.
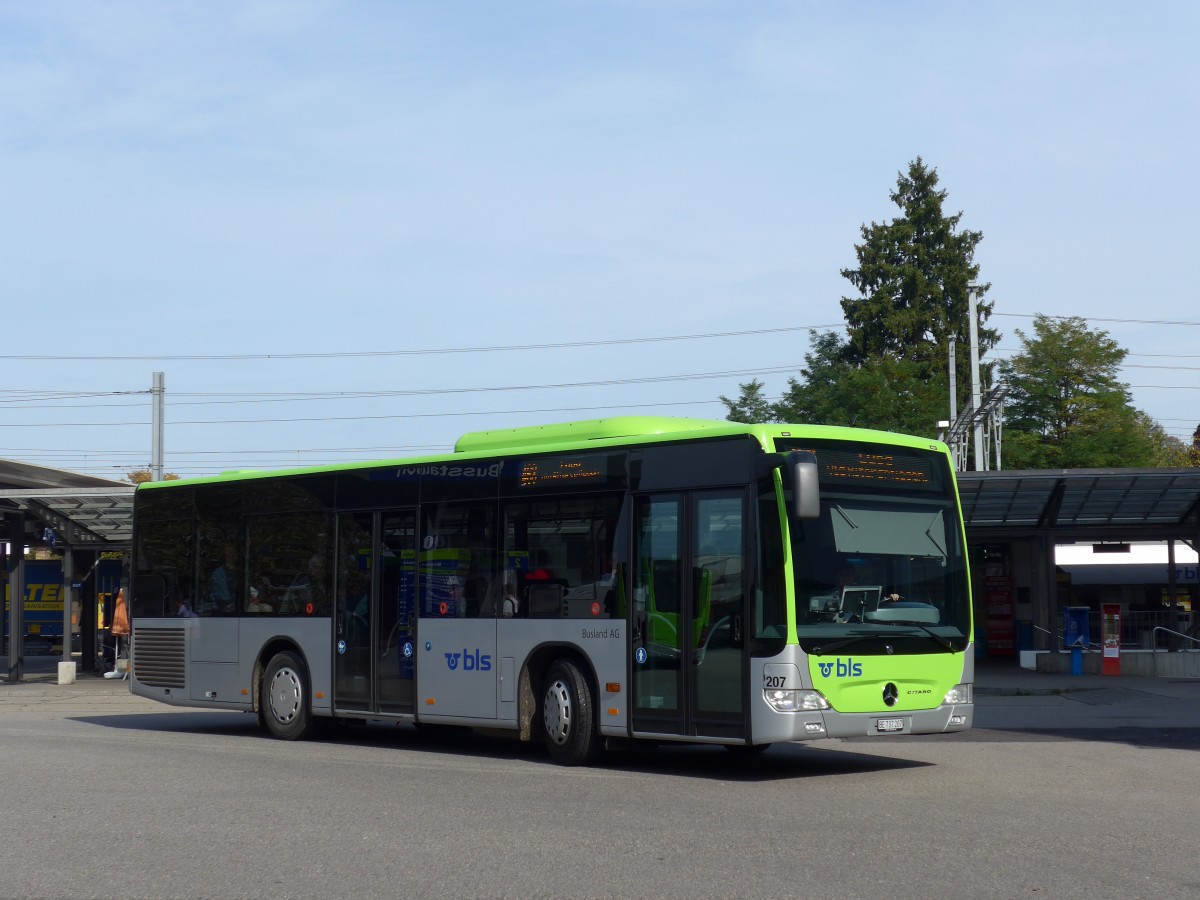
(780, 762)
(1143, 737)
(193, 722)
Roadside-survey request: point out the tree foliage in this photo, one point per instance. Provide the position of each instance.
(912, 278)
(141, 476)
(891, 371)
(1067, 407)
(889, 393)
(1168, 449)
(750, 406)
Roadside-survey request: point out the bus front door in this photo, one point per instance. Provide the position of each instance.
(376, 612)
(688, 652)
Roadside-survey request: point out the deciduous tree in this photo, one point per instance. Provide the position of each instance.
(1067, 407)
(141, 476)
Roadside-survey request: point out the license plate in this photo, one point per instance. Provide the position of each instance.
(887, 725)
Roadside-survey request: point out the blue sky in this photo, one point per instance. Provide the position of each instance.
(344, 187)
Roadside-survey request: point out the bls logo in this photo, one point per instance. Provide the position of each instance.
(846, 668)
(471, 662)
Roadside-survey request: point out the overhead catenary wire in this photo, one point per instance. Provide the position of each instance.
(506, 348)
(286, 397)
(427, 351)
(21, 400)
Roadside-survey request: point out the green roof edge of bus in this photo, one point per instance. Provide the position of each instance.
(615, 427)
(581, 435)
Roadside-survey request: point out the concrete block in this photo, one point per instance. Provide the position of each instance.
(66, 673)
(1029, 658)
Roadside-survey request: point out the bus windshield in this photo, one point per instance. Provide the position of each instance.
(883, 566)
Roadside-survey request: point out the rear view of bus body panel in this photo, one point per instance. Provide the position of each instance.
(210, 662)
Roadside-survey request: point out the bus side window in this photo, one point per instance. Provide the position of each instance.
(459, 562)
(559, 551)
(149, 595)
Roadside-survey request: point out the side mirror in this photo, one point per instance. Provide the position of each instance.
(806, 491)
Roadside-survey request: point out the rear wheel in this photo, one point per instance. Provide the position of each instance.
(569, 715)
(284, 702)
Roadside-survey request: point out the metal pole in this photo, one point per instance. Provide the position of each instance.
(1050, 585)
(1173, 608)
(156, 445)
(16, 596)
(997, 432)
(976, 391)
(953, 380)
(68, 570)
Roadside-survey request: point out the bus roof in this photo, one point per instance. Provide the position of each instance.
(567, 436)
(589, 430)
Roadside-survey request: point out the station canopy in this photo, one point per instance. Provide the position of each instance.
(67, 508)
(1088, 504)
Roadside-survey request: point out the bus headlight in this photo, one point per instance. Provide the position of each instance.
(796, 701)
(960, 693)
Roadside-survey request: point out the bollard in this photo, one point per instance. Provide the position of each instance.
(66, 673)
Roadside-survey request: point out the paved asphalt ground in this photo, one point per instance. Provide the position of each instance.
(1067, 786)
(1000, 685)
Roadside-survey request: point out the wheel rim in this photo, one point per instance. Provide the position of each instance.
(557, 712)
(286, 695)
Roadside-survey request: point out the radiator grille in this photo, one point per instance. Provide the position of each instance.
(159, 656)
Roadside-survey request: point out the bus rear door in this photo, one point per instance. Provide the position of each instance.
(376, 616)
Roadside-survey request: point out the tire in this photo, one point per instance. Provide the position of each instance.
(569, 716)
(284, 701)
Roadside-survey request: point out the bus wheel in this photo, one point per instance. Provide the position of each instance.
(284, 700)
(568, 716)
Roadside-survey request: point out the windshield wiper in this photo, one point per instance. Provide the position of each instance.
(845, 642)
(864, 635)
(939, 638)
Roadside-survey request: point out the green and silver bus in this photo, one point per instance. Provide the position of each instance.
(664, 579)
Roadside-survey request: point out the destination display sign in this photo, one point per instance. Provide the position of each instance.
(561, 471)
(866, 465)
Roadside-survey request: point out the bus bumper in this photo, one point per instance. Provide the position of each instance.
(813, 725)
(885, 723)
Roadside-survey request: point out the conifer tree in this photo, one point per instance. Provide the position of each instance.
(891, 371)
(912, 278)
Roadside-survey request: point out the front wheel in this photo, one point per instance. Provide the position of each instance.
(283, 703)
(568, 716)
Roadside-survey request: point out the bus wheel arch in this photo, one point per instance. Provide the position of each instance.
(284, 692)
(532, 677)
(565, 713)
